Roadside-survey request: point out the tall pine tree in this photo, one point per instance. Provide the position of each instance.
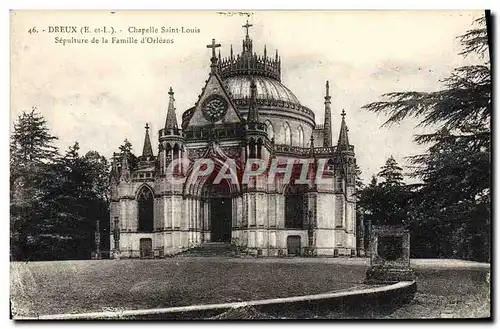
(392, 173)
(55, 200)
(384, 202)
(454, 198)
(31, 154)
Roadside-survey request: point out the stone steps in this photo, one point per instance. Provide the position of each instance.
(210, 249)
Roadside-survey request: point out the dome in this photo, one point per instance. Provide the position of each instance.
(267, 88)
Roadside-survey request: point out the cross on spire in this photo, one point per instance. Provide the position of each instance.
(246, 26)
(343, 113)
(213, 45)
(147, 126)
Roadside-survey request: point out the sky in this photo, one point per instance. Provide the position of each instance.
(100, 94)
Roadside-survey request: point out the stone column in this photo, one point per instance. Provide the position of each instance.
(361, 236)
(116, 238)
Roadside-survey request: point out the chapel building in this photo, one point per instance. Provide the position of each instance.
(243, 113)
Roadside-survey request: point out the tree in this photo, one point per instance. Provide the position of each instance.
(55, 200)
(99, 168)
(98, 172)
(126, 149)
(359, 181)
(454, 198)
(75, 198)
(384, 203)
(359, 187)
(31, 143)
(31, 153)
(391, 173)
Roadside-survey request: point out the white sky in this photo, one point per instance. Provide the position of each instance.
(99, 95)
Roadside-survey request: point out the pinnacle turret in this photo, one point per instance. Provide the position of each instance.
(343, 143)
(171, 121)
(147, 150)
(327, 125)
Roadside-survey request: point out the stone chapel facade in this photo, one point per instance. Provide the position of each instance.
(243, 112)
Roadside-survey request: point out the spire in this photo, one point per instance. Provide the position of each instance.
(232, 52)
(253, 112)
(327, 124)
(171, 122)
(343, 144)
(147, 151)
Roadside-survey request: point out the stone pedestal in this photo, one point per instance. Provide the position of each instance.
(389, 255)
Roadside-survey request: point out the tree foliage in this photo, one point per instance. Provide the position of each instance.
(31, 143)
(359, 181)
(31, 154)
(55, 200)
(392, 173)
(384, 201)
(450, 210)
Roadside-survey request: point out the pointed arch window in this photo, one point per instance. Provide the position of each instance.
(300, 136)
(295, 207)
(176, 156)
(259, 148)
(251, 148)
(145, 204)
(287, 134)
(270, 129)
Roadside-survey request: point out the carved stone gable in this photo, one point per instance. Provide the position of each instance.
(215, 106)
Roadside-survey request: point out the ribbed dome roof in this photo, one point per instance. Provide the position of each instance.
(267, 88)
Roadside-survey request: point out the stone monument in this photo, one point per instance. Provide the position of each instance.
(390, 255)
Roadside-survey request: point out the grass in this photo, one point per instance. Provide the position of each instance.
(448, 293)
(93, 286)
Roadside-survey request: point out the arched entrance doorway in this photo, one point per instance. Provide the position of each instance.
(218, 197)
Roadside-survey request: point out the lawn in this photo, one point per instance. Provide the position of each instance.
(448, 293)
(90, 286)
